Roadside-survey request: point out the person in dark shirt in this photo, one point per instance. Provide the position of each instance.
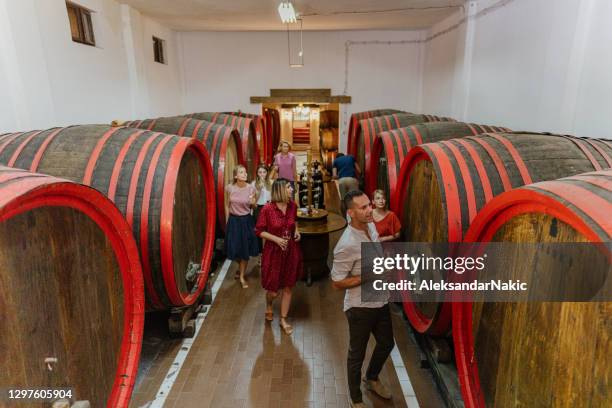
(346, 170)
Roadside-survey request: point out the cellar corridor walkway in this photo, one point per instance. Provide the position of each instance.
(238, 360)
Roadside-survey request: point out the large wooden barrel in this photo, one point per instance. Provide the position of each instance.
(261, 130)
(273, 136)
(540, 354)
(268, 147)
(328, 139)
(443, 185)
(222, 144)
(328, 159)
(354, 121)
(71, 289)
(274, 115)
(368, 130)
(391, 147)
(248, 135)
(162, 184)
(267, 136)
(328, 119)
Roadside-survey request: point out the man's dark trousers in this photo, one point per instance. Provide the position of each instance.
(363, 321)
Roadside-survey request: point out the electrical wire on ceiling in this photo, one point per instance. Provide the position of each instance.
(383, 11)
(481, 13)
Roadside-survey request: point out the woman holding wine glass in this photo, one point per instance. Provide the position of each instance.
(281, 263)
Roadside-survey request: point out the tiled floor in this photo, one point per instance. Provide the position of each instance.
(238, 360)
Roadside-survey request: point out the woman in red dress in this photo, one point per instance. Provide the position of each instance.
(281, 261)
(387, 224)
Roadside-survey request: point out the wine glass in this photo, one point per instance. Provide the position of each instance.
(286, 235)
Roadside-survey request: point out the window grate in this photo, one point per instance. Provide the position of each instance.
(159, 50)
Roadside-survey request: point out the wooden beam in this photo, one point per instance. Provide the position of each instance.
(303, 93)
(301, 99)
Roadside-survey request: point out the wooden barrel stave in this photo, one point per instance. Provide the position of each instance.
(139, 170)
(71, 272)
(390, 148)
(476, 169)
(489, 349)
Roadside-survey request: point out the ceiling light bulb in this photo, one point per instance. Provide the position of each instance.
(287, 12)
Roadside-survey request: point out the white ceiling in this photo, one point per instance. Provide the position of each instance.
(258, 15)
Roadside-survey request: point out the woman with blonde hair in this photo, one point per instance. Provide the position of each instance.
(387, 224)
(240, 239)
(281, 263)
(284, 163)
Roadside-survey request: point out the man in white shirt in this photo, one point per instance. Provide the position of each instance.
(363, 317)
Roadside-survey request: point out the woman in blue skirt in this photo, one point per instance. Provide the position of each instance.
(240, 240)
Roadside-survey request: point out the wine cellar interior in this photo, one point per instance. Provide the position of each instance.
(305, 203)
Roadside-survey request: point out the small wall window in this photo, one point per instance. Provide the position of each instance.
(159, 50)
(81, 27)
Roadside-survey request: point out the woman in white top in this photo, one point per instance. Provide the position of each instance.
(263, 186)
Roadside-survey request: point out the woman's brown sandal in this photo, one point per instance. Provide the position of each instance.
(287, 328)
(269, 315)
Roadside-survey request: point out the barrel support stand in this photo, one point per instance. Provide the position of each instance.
(64, 403)
(438, 357)
(314, 252)
(182, 320)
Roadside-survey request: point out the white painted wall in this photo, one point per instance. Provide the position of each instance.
(526, 64)
(531, 65)
(159, 90)
(222, 70)
(53, 81)
(442, 59)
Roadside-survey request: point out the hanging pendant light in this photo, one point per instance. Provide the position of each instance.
(293, 61)
(289, 16)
